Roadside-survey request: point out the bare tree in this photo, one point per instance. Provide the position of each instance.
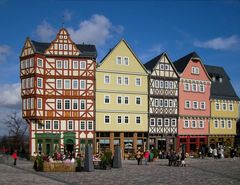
(17, 130)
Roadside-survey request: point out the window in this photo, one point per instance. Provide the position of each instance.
(106, 99)
(159, 122)
(201, 124)
(194, 125)
(195, 105)
(39, 103)
(27, 63)
(186, 87)
(40, 62)
(195, 70)
(60, 46)
(119, 60)
(119, 80)
(216, 124)
(55, 125)
(170, 85)
(201, 88)
(186, 123)
(138, 120)
(224, 106)
(107, 79)
(194, 87)
(229, 124)
(126, 61)
(75, 104)
(126, 100)
(138, 81)
(67, 84)
(166, 84)
(59, 104)
(59, 64)
(230, 107)
(126, 119)
(220, 80)
(90, 125)
(75, 64)
(126, 80)
(166, 103)
(138, 100)
(222, 123)
(75, 84)
(217, 106)
(29, 103)
(48, 125)
(67, 104)
(23, 64)
(187, 104)
(65, 46)
(32, 103)
(82, 104)
(156, 102)
(70, 125)
(82, 65)
(161, 102)
(82, 125)
(119, 100)
(166, 122)
(40, 126)
(65, 64)
(59, 83)
(152, 122)
(161, 84)
(106, 119)
(39, 82)
(171, 103)
(203, 105)
(162, 66)
(166, 67)
(173, 122)
(24, 104)
(119, 119)
(156, 84)
(82, 84)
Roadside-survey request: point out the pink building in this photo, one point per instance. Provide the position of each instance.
(194, 103)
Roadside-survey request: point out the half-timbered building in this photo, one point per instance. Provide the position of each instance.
(58, 91)
(194, 103)
(163, 103)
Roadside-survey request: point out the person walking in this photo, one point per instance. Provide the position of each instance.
(146, 156)
(138, 157)
(14, 156)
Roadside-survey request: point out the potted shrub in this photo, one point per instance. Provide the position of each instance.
(79, 165)
(106, 160)
(155, 153)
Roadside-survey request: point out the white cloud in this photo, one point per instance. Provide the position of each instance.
(220, 43)
(45, 32)
(10, 96)
(152, 52)
(96, 30)
(67, 15)
(4, 52)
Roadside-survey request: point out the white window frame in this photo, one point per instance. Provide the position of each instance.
(166, 66)
(89, 123)
(65, 104)
(195, 70)
(136, 100)
(156, 83)
(105, 77)
(221, 122)
(159, 120)
(126, 119)
(166, 85)
(57, 102)
(165, 102)
(138, 119)
(109, 119)
(195, 105)
(126, 98)
(39, 102)
(216, 123)
(186, 124)
(217, 104)
(39, 62)
(68, 125)
(162, 66)
(173, 122)
(75, 64)
(55, 121)
(203, 105)
(58, 64)
(161, 103)
(194, 122)
(82, 123)
(119, 119)
(152, 122)
(186, 86)
(224, 109)
(171, 85)
(126, 79)
(161, 85)
(230, 107)
(119, 98)
(201, 88)
(59, 82)
(67, 81)
(74, 102)
(119, 80)
(194, 85)
(48, 122)
(105, 98)
(82, 64)
(156, 102)
(185, 104)
(170, 103)
(118, 62)
(39, 82)
(138, 81)
(82, 102)
(166, 122)
(229, 122)
(83, 84)
(124, 61)
(75, 84)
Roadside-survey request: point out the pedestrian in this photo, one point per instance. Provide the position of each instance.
(183, 159)
(138, 157)
(215, 153)
(14, 156)
(146, 156)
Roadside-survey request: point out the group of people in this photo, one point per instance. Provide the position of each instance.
(147, 155)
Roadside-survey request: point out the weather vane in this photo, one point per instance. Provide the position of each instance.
(63, 21)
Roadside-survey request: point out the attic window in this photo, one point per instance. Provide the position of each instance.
(214, 78)
(220, 79)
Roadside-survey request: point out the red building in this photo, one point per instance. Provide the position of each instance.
(57, 88)
(194, 103)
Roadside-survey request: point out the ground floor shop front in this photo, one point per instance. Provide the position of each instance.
(221, 140)
(129, 142)
(164, 143)
(192, 144)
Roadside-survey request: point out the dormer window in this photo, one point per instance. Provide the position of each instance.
(214, 78)
(195, 70)
(220, 80)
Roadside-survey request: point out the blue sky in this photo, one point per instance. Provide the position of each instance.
(211, 28)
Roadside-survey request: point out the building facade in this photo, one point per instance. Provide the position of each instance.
(224, 108)
(121, 101)
(163, 103)
(194, 104)
(58, 92)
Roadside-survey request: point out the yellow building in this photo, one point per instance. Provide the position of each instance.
(224, 108)
(121, 101)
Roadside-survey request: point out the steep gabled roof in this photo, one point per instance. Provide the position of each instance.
(153, 62)
(224, 89)
(86, 49)
(181, 63)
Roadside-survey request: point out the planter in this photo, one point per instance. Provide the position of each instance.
(78, 169)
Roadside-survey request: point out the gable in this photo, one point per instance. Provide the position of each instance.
(122, 51)
(27, 49)
(63, 45)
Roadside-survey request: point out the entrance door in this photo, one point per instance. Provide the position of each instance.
(162, 144)
(48, 148)
(69, 146)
